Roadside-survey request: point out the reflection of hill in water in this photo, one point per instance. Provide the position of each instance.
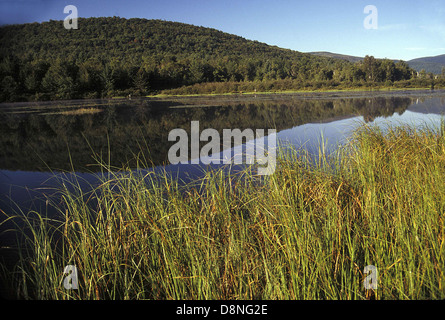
(32, 135)
(428, 106)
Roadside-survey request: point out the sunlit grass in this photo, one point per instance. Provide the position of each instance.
(305, 232)
(79, 111)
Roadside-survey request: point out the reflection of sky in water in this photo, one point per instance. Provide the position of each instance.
(311, 135)
(410, 118)
(19, 185)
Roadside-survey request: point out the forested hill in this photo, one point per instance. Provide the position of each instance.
(107, 38)
(117, 56)
(435, 64)
(337, 56)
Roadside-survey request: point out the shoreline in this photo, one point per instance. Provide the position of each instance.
(291, 92)
(234, 94)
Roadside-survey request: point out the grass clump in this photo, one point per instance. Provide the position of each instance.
(305, 232)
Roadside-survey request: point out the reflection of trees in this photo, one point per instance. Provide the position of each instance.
(109, 118)
(56, 139)
(384, 107)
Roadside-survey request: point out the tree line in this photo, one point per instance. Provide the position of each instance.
(108, 57)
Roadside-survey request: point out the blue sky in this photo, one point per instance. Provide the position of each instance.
(407, 29)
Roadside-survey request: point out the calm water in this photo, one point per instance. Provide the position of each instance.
(40, 140)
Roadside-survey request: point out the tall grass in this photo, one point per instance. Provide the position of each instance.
(305, 232)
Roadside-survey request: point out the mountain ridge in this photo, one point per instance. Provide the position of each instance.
(336, 56)
(431, 64)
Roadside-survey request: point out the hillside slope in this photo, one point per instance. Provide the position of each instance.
(108, 54)
(429, 64)
(114, 37)
(337, 56)
(114, 56)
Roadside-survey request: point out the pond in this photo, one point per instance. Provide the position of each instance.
(44, 139)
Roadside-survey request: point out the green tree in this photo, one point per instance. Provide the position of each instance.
(403, 71)
(357, 73)
(9, 89)
(140, 81)
(388, 70)
(107, 80)
(370, 67)
(90, 78)
(58, 82)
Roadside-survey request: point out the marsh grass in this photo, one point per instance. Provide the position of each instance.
(305, 232)
(79, 111)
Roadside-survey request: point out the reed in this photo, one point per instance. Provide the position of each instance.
(305, 232)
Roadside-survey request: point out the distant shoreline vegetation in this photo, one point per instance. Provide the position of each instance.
(109, 57)
(293, 86)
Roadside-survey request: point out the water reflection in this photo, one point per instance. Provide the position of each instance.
(37, 138)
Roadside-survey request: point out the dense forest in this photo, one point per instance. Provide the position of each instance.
(109, 57)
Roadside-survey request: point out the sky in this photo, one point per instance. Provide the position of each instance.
(406, 29)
